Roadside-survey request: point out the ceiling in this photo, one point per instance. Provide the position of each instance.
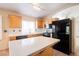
(27, 8)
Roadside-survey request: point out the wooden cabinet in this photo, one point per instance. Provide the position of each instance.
(49, 21)
(12, 38)
(15, 21)
(40, 23)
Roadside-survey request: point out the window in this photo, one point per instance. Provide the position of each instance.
(28, 26)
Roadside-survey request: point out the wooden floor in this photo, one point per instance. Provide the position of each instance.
(58, 53)
(55, 53)
(4, 52)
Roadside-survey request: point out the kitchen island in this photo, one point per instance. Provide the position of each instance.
(29, 46)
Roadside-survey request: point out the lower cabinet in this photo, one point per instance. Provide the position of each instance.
(17, 37)
(12, 38)
(23, 36)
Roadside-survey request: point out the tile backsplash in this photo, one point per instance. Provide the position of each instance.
(19, 31)
(15, 30)
(40, 30)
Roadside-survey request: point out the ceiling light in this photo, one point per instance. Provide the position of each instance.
(37, 8)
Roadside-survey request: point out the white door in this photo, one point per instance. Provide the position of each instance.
(76, 36)
(4, 38)
(0, 27)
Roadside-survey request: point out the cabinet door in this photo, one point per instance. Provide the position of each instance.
(15, 21)
(40, 23)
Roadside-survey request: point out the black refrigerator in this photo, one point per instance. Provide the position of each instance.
(62, 30)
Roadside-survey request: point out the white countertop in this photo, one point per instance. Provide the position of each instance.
(19, 34)
(25, 47)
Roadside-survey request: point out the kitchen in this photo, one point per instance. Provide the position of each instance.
(16, 33)
(30, 36)
(13, 33)
(43, 35)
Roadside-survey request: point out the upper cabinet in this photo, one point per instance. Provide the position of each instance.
(40, 23)
(49, 21)
(15, 21)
